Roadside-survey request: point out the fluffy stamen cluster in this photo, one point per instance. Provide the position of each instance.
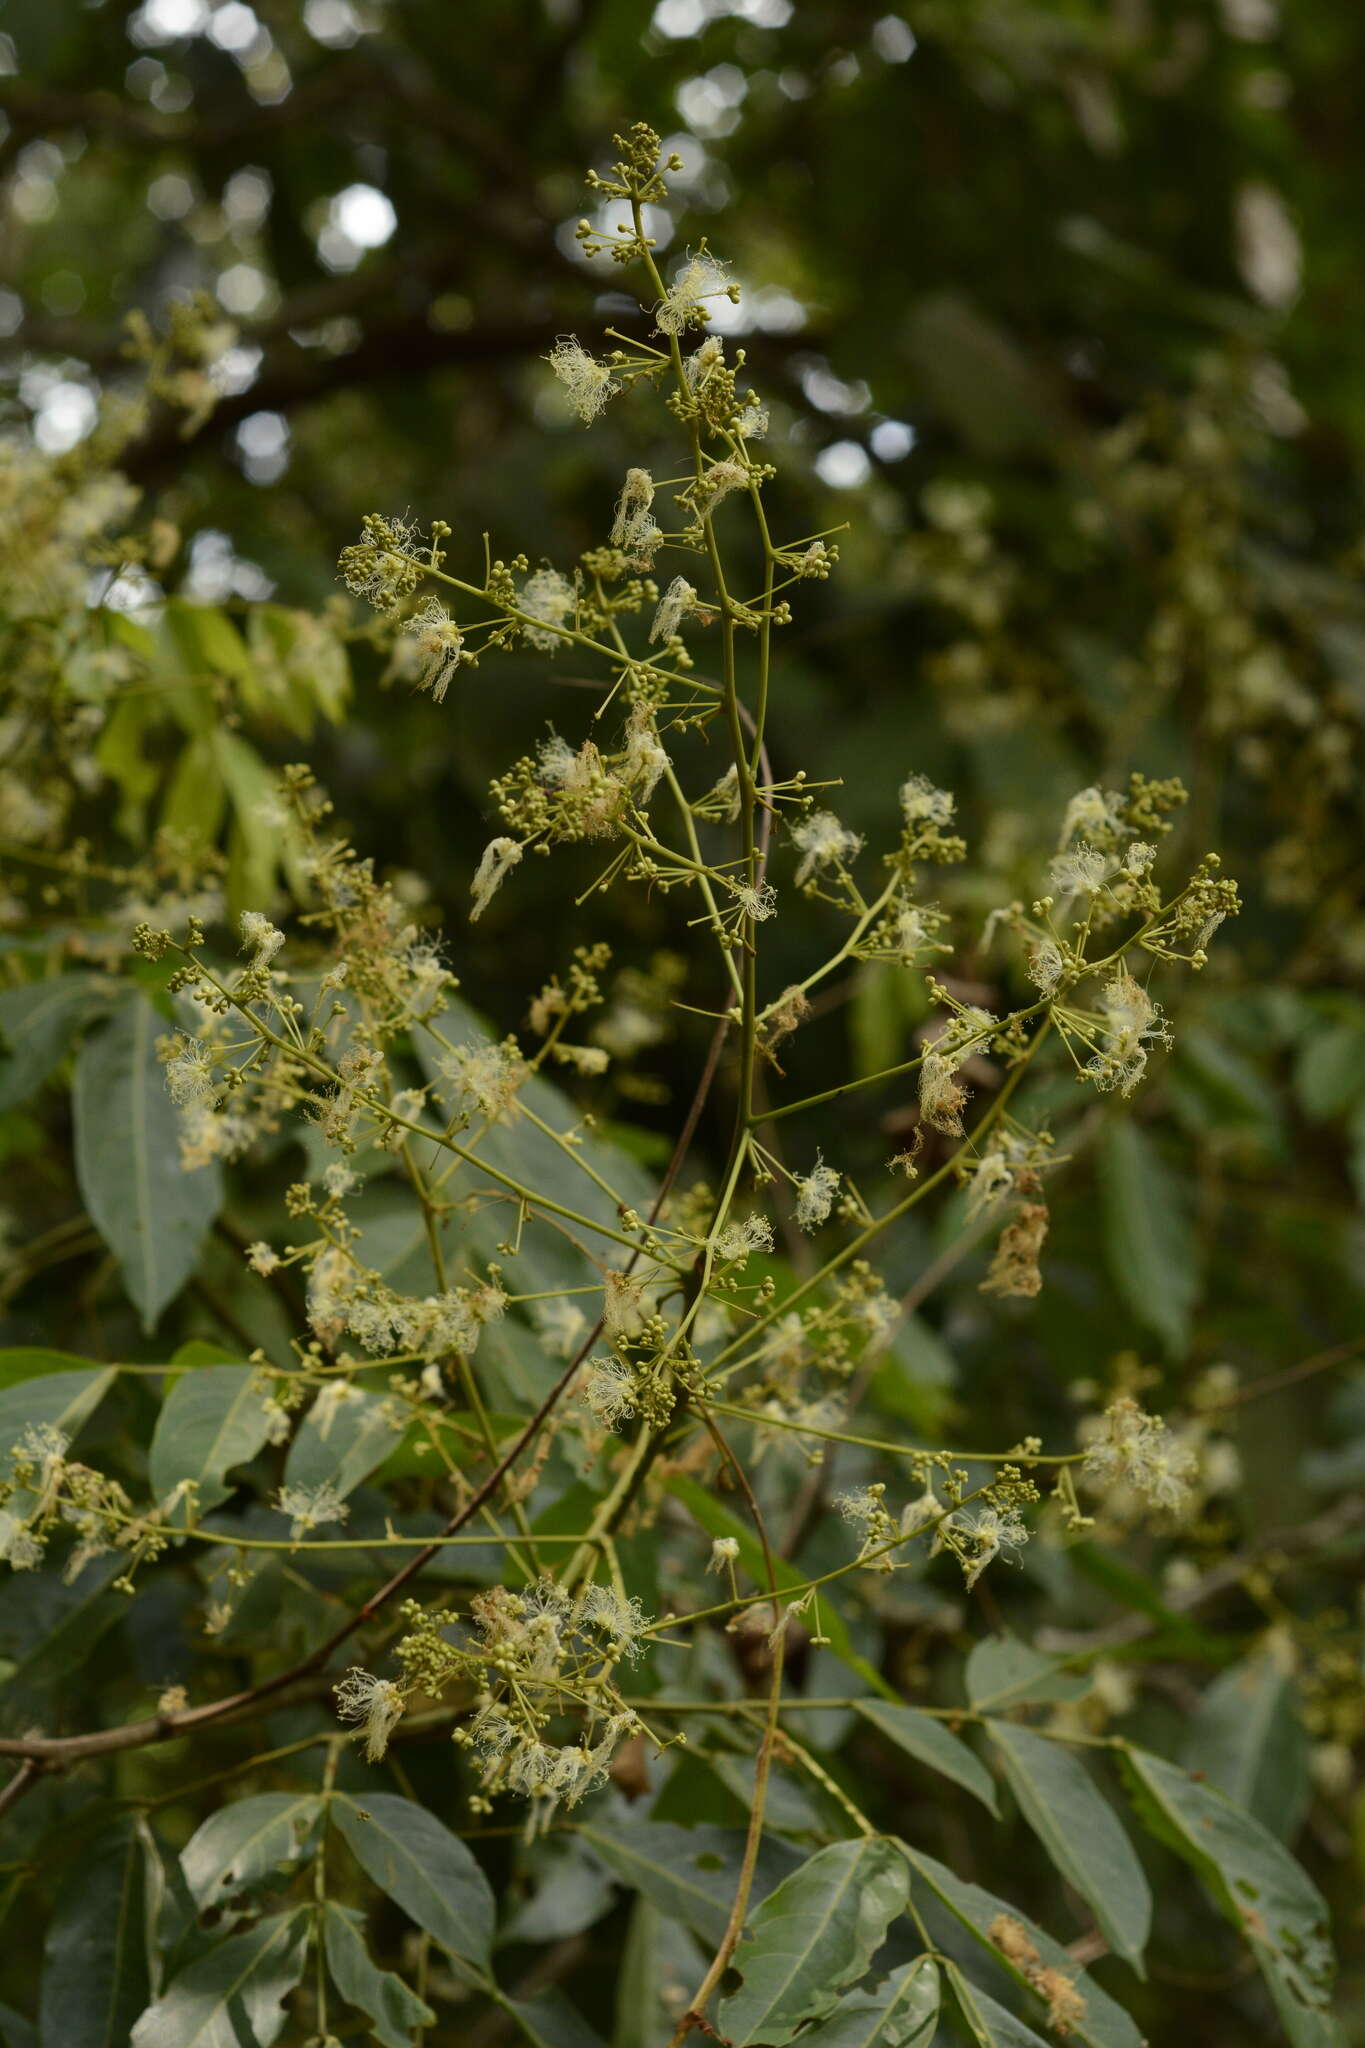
(485, 1078)
(496, 862)
(678, 602)
(436, 1327)
(310, 1507)
(539, 1654)
(438, 645)
(1081, 871)
(715, 485)
(633, 529)
(942, 1096)
(260, 938)
(376, 1703)
(751, 1234)
(547, 599)
(978, 1536)
(683, 305)
(44, 1490)
(923, 804)
(823, 842)
(1137, 1450)
(606, 1388)
(1131, 1022)
(815, 1194)
(190, 1073)
(867, 1514)
(587, 383)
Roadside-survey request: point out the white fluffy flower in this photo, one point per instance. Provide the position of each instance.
(942, 1096)
(560, 1325)
(815, 1194)
(310, 1507)
(497, 861)
(988, 1532)
(438, 645)
(1094, 811)
(587, 383)
(716, 484)
(617, 1616)
(375, 1702)
(633, 530)
(607, 1391)
(738, 1239)
(1132, 1022)
(823, 842)
(678, 602)
(923, 803)
(19, 1547)
(547, 598)
(1080, 872)
(1046, 966)
(260, 938)
(1138, 1450)
(645, 759)
(757, 903)
(484, 1077)
(189, 1074)
(684, 303)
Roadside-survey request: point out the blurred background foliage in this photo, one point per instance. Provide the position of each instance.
(1058, 305)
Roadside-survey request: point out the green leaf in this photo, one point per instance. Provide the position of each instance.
(38, 1021)
(989, 2024)
(122, 753)
(926, 1739)
(1329, 1074)
(548, 2020)
(394, 2011)
(152, 1216)
(64, 1399)
(48, 1630)
(659, 1957)
(1103, 2024)
(245, 1842)
(24, 1362)
(214, 1417)
(902, 2012)
(569, 1891)
(233, 1996)
(95, 1975)
(1003, 1672)
(15, 2030)
(340, 1442)
(717, 1520)
(301, 667)
(1255, 1883)
(1247, 1740)
(1148, 1235)
(812, 1937)
(254, 846)
(1081, 1834)
(416, 1860)
(200, 638)
(1223, 1096)
(690, 1874)
(886, 1006)
(913, 1376)
(196, 800)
